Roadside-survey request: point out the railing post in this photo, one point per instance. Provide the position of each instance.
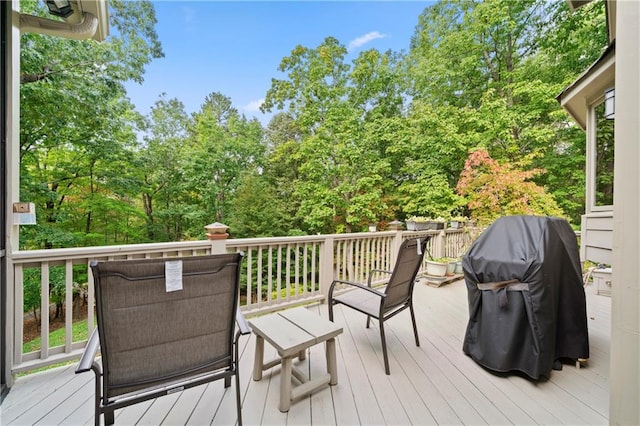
(397, 242)
(438, 245)
(217, 234)
(218, 246)
(326, 267)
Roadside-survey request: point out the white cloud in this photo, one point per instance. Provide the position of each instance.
(253, 106)
(362, 40)
(189, 20)
(189, 15)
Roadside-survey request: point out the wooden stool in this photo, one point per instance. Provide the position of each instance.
(291, 332)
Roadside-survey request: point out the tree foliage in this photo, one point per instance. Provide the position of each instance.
(223, 145)
(341, 111)
(161, 171)
(494, 190)
(465, 122)
(78, 127)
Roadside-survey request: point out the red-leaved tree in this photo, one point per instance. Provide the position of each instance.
(493, 190)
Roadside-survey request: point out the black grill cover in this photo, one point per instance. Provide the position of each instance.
(525, 327)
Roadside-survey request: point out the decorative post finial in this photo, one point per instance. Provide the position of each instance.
(217, 231)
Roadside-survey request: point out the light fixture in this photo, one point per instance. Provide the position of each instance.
(610, 103)
(61, 8)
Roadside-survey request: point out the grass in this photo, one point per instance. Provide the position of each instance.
(57, 337)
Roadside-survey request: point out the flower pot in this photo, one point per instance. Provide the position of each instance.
(416, 226)
(456, 224)
(458, 269)
(434, 225)
(436, 269)
(451, 268)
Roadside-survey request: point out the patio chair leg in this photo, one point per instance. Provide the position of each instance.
(368, 321)
(96, 415)
(331, 311)
(227, 381)
(238, 402)
(413, 320)
(384, 349)
(109, 417)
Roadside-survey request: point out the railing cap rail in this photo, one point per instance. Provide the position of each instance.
(64, 254)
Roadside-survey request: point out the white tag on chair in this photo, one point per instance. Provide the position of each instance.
(173, 275)
(419, 247)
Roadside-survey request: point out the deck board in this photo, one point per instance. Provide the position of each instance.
(431, 384)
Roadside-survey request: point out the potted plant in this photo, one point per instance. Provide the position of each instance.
(437, 267)
(417, 223)
(458, 222)
(451, 266)
(458, 270)
(437, 223)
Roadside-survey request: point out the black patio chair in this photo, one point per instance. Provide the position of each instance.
(388, 301)
(164, 325)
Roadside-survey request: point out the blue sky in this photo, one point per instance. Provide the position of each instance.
(235, 47)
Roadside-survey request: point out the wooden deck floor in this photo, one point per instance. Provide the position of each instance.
(431, 384)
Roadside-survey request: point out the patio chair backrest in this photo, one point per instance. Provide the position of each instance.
(400, 286)
(150, 336)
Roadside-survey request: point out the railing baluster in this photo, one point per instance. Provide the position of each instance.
(358, 264)
(305, 261)
(68, 313)
(288, 273)
(313, 266)
(259, 277)
(249, 263)
(270, 274)
(279, 273)
(338, 260)
(90, 300)
(44, 310)
(297, 269)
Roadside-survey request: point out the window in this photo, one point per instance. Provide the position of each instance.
(604, 158)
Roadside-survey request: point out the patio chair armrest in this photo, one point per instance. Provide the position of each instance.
(371, 272)
(353, 284)
(89, 353)
(243, 326)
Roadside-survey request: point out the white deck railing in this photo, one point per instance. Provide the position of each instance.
(277, 273)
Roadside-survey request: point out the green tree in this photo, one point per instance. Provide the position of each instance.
(486, 74)
(77, 126)
(283, 138)
(573, 42)
(255, 210)
(223, 146)
(342, 173)
(162, 172)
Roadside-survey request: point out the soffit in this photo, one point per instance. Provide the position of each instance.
(589, 86)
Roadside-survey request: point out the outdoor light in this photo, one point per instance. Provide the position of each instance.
(610, 103)
(60, 8)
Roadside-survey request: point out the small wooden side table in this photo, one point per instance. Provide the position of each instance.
(291, 332)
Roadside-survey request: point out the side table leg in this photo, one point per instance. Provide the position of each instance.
(332, 366)
(258, 359)
(285, 384)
